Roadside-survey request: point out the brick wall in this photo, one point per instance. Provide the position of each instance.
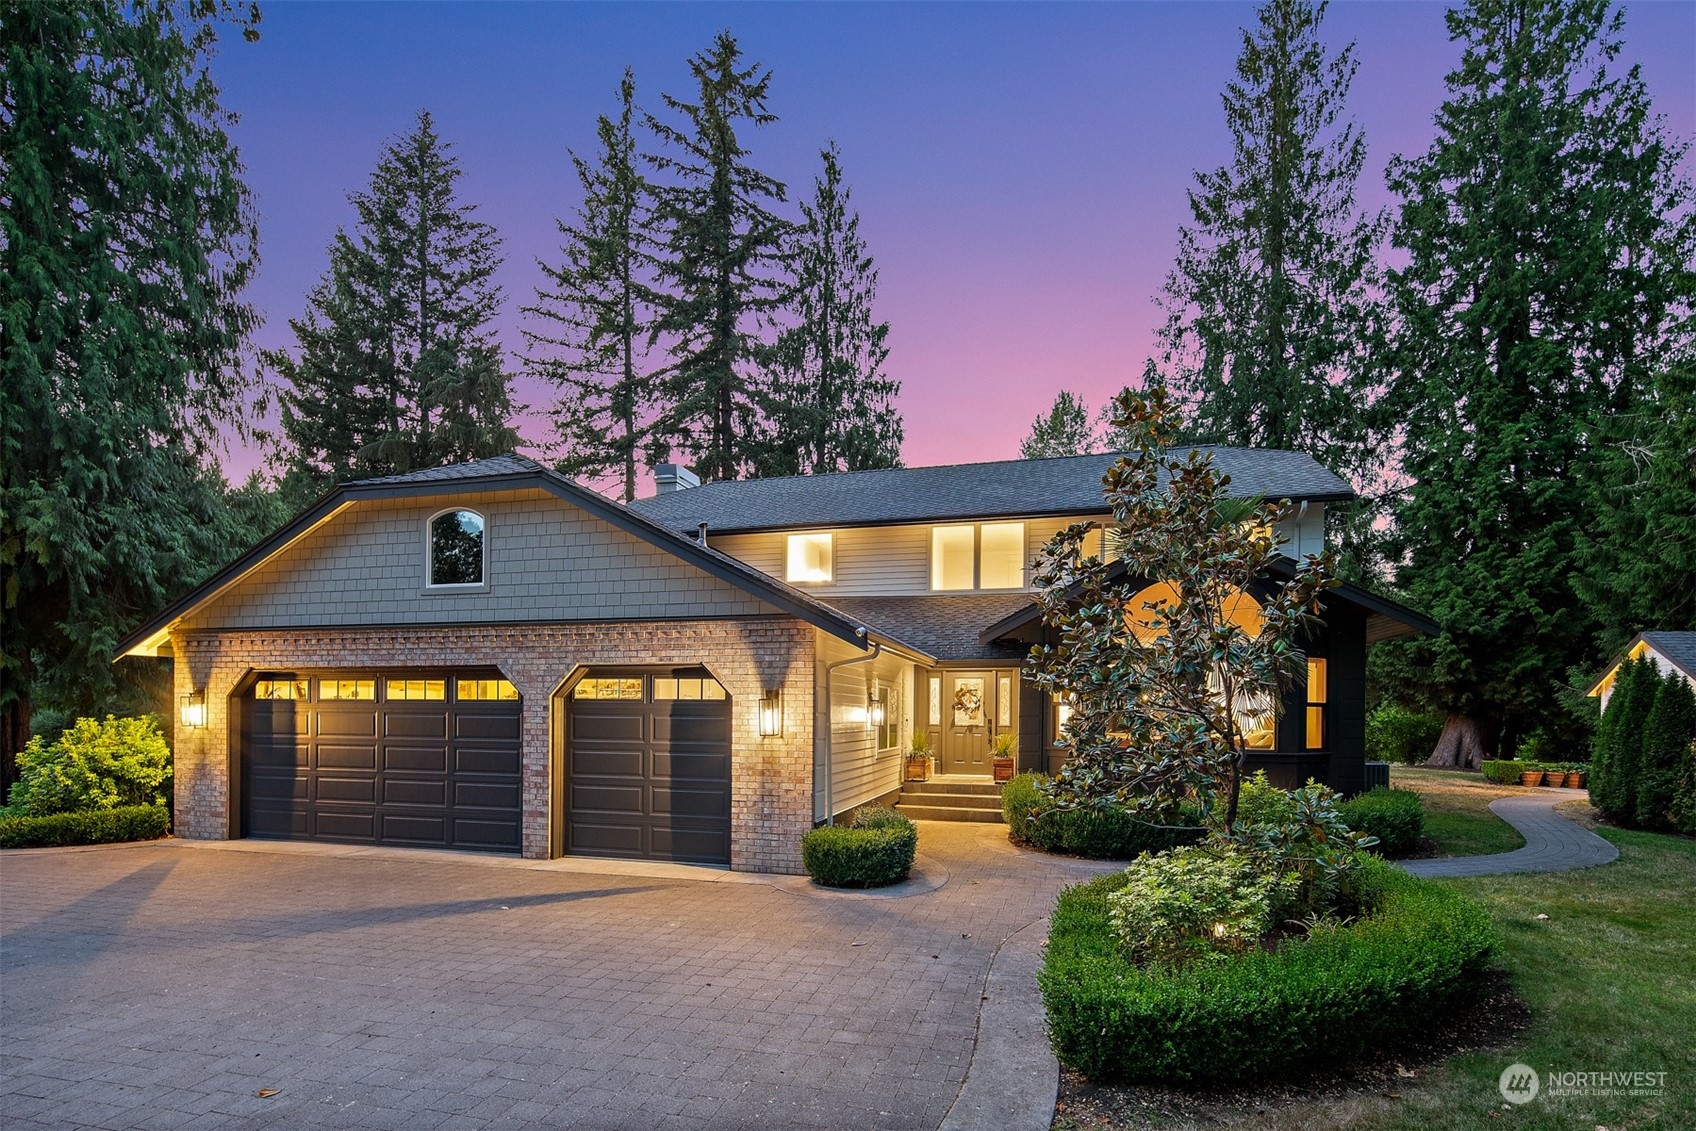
(771, 778)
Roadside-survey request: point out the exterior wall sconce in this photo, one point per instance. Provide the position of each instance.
(874, 711)
(193, 709)
(771, 713)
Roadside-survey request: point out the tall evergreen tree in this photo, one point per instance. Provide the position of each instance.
(1667, 735)
(723, 264)
(597, 307)
(1537, 288)
(1272, 305)
(126, 238)
(395, 366)
(828, 403)
(1064, 430)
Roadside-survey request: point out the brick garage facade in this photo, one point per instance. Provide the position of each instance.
(771, 779)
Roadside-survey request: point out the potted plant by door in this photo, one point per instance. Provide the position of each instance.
(1002, 749)
(918, 757)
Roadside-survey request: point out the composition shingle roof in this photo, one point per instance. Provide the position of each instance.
(510, 464)
(1679, 647)
(1067, 485)
(948, 628)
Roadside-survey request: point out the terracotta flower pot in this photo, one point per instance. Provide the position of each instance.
(1531, 777)
(1575, 779)
(1554, 778)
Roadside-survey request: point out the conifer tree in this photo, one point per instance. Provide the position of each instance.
(126, 238)
(723, 265)
(1272, 306)
(1064, 430)
(1619, 740)
(1537, 288)
(1667, 735)
(395, 366)
(596, 310)
(828, 403)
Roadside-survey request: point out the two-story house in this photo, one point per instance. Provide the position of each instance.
(490, 656)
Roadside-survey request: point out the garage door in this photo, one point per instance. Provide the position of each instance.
(426, 759)
(648, 771)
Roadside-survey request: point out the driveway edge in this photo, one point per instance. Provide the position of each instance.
(1013, 1079)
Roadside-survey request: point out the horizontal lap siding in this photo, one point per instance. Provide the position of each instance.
(859, 771)
(548, 560)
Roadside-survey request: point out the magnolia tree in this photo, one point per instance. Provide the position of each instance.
(1157, 680)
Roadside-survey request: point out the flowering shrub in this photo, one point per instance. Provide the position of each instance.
(1193, 903)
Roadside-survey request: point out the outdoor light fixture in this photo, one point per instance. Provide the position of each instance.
(874, 709)
(194, 709)
(771, 713)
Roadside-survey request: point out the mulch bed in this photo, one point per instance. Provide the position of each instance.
(1493, 1021)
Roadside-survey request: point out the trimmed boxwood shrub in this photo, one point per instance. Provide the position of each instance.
(875, 850)
(1396, 734)
(1327, 999)
(92, 826)
(1102, 834)
(1504, 771)
(1395, 816)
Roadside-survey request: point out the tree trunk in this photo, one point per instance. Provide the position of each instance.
(14, 734)
(1460, 746)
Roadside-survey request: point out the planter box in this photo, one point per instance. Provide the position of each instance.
(1003, 769)
(918, 767)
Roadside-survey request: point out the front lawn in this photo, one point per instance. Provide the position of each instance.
(1457, 810)
(1607, 981)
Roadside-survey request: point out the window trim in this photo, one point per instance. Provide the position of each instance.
(431, 587)
(976, 528)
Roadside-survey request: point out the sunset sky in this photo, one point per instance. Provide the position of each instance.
(1020, 168)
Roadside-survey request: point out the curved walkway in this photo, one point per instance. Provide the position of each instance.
(1552, 843)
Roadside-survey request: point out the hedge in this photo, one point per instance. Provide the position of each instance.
(1395, 734)
(875, 850)
(1329, 999)
(1506, 771)
(1395, 816)
(1102, 834)
(91, 826)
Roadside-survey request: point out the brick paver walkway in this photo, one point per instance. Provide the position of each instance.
(1552, 843)
(164, 985)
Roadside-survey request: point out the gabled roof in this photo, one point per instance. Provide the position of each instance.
(1008, 488)
(946, 627)
(1385, 619)
(503, 473)
(1676, 648)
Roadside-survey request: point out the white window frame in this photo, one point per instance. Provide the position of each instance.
(977, 555)
(481, 586)
(789, 545)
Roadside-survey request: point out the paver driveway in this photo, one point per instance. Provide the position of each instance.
(164, 985)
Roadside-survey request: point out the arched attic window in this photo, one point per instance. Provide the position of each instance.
(458, 549)
(1256, 715)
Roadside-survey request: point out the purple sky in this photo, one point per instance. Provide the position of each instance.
(1019, 168)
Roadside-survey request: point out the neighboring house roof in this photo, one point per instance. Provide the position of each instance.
(1385, 619)
(949, 628)
(1008, 488)
(504, 473)
(1676, 648)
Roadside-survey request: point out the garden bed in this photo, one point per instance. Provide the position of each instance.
(1324, 1001)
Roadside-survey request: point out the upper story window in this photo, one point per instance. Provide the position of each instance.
(458, 550)
(811, 558)
(988, 555)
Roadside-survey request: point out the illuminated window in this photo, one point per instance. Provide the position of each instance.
(886, 718)
(667, 689)
(456, 548)
(810, 558)
(477, 689)
(951, 556)
(347, 689)
(1316, 704)
(608, 689)
(275, 688)
(1002, 556)
(1150, 608)
(1062, 716)
(422, 689)
(1004, 702)
(935, 701)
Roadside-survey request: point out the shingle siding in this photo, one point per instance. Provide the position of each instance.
(548, 561)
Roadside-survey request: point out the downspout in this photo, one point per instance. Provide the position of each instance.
(829, 720)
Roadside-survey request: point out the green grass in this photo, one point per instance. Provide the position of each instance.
(1457, 810)
(1607, 979)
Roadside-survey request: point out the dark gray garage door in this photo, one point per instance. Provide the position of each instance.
(648, 770)
(427, 759)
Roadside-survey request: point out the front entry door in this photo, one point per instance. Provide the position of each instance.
(968, 710)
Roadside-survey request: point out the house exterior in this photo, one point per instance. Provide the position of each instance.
(1670, 651)
(489, 656)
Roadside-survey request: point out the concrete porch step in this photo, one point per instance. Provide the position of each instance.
(961, 787)
(949, 813)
